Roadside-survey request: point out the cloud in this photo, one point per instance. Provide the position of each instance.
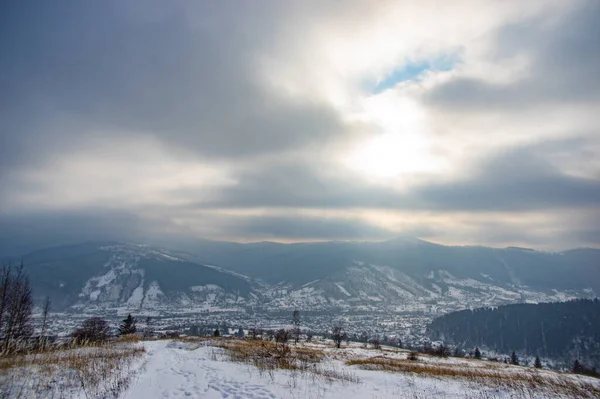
(517, 180)
(253, 122)
(562, 55)
(22, 233)
(297, 227)
(194, 83)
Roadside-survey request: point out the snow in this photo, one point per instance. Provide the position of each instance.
(198, 370)
(137, 296)
(106, 279)
(178, 370)
(207, 287)
(343, 289)
(153, 294)
(94, 295)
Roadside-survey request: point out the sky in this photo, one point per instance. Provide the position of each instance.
(463, 122)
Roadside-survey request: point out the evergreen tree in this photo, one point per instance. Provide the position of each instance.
(514, 359)
(577, 367)
(538, 363)
(553, 330)
(296, 323)
(477, 353)
(217, 333)
(128, 325)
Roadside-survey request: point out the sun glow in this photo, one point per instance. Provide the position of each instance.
(402, 149)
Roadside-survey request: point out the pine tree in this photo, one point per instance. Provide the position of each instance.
(477, 353)
(128, 325)
(296, 322)
(538, 363)
(514, 359)
(217, 333)
(577, 367)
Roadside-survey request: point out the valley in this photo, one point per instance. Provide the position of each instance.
(393, 288)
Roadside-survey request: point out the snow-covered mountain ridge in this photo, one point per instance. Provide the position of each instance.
(406, 277)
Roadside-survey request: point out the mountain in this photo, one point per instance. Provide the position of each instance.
(401, 275)
(111, 275)
(408, 274)
(564, 330)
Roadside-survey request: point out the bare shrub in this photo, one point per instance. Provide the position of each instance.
(376, 343)
(94, 329)
(338, 335)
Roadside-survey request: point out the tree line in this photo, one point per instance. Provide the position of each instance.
(565, 331)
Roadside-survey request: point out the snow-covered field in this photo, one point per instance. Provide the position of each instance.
(201, 370)
(207, 368)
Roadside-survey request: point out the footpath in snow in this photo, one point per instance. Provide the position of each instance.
(193, 370)
(174, 370)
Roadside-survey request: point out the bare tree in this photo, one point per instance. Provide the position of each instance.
(94, 329)
(282, 337)
(45, 311)
(253, 333)
(17, 307)
(5, 282)
(338, 335)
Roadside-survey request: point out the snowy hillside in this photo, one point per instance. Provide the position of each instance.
(129, 277)
(394, 276)
(204, 370)
(256, 369)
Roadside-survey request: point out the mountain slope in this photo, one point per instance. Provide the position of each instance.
(402, 275)
(135, 276)
(298, 264)
(563, 330)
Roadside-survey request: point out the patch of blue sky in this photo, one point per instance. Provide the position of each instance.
(414, 71)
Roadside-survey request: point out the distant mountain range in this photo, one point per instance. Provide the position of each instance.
(401, 275)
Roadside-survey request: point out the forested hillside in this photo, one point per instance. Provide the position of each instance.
(562, 330)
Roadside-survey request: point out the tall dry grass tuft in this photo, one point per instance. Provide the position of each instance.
(528, 382)
(269, 356)
(96, 370)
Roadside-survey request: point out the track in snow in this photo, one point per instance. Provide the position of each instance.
(173, 371)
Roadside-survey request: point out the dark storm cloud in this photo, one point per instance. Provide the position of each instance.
(517, 180)
(298, 227)
(193, 82)
(565, 62)
(23, 232)
(295, 184)
(188, 83)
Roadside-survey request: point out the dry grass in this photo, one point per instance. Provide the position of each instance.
(99, 371)
(269, 356)
(521, 380)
